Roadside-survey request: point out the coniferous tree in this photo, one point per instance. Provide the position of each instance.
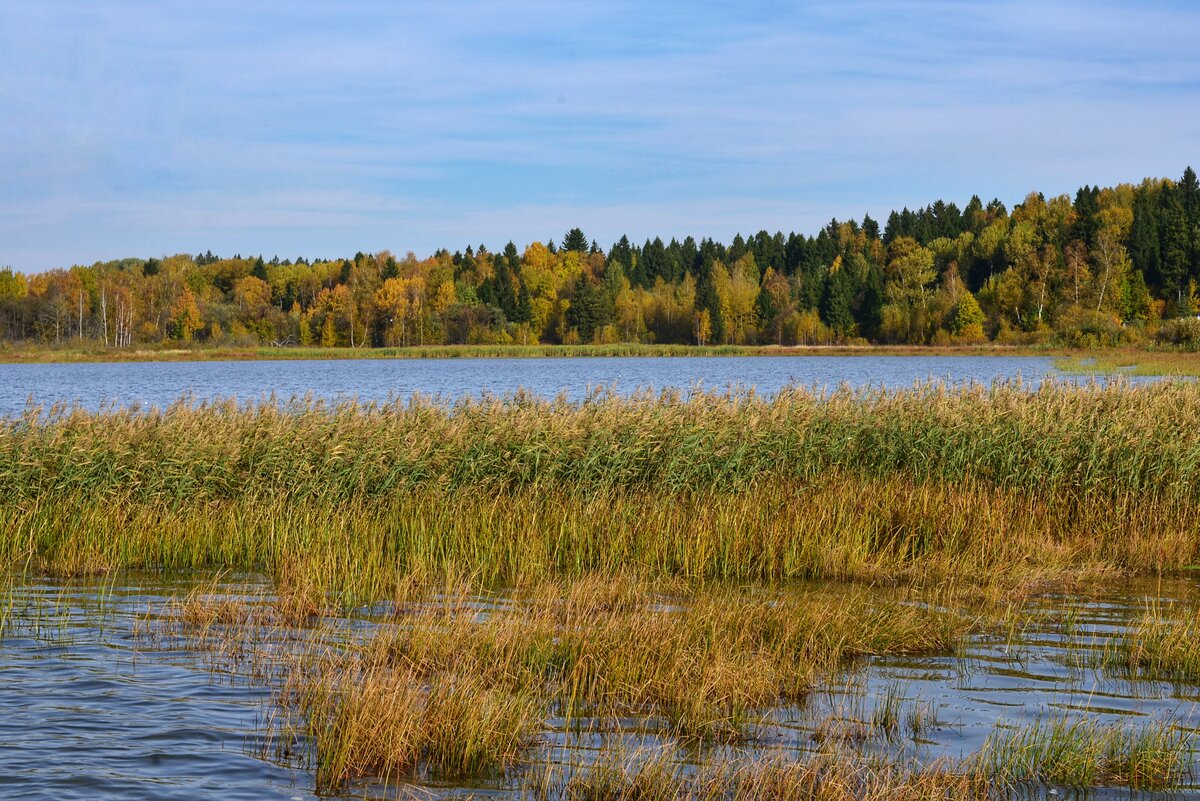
(575, 240)
(1175, 243)
(1189, 196)
(871, 313)
(837, 302)
(1144, 248)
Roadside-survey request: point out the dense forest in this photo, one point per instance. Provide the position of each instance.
(1113, 265)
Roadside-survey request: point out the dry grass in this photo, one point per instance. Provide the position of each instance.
(461, 685)
(919, 485)
(655, 776)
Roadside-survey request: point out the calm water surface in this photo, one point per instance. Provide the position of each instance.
(160, 383)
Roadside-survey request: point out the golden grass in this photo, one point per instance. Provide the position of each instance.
(462, 685)
(654, 776)
(1133, 362)
(924, 484)
(839, 526)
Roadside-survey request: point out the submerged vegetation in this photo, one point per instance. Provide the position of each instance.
(449, 685)
(461, 687)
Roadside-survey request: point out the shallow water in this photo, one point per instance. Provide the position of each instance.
(100, 700)
(158, 384)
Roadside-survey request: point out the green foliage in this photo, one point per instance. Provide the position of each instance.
(1129, 252)
(968, 317)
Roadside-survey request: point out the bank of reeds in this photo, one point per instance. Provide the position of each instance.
(929, 483)
(459, 685)
(1079, 753)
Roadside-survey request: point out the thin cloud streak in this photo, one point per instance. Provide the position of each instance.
(138, 129)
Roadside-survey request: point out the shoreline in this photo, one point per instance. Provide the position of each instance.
(264, 353)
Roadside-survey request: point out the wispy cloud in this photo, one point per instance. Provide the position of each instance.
(313, 128)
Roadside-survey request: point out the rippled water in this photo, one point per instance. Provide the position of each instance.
(160, 383)
(95, 704)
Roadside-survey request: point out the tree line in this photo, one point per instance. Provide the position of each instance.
(1111, 265)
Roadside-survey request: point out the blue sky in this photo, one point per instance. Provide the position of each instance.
(319, 129)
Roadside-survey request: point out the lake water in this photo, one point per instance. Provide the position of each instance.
(160, 383)
(97, 702)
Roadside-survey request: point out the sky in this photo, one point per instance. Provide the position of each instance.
(293, 128)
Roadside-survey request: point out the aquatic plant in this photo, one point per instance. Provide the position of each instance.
(459, 685)
(1087, 752)
(1163, 644)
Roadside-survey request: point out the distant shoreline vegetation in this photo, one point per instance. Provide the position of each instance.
(11, 353)
(1115, 266)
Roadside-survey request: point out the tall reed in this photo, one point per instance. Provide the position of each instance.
(922, 483)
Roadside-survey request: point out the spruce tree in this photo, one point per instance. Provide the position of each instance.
(1174, 243)
(575, 240)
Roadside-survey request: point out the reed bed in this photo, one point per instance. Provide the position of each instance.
(1075, 753)
(1085, 443)
(927, 484)
(460, 685)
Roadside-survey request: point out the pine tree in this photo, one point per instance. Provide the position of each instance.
(871, 311)
(1189, 195)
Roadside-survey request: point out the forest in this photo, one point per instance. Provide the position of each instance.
(1113, 266)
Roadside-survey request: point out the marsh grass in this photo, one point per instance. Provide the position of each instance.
(654, 775)
(461, 685)
(855, 718)
(341, 502)
(1087, 752)
(1077, 753)
(388, 724)
(589, 562)
(1162, 645)
(1133, 362)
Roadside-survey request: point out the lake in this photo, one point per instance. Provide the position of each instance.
(159, 383)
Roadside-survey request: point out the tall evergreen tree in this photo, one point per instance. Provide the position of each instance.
(1144, 247)
(575, 240)
(837, 302)
(1175, 244)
